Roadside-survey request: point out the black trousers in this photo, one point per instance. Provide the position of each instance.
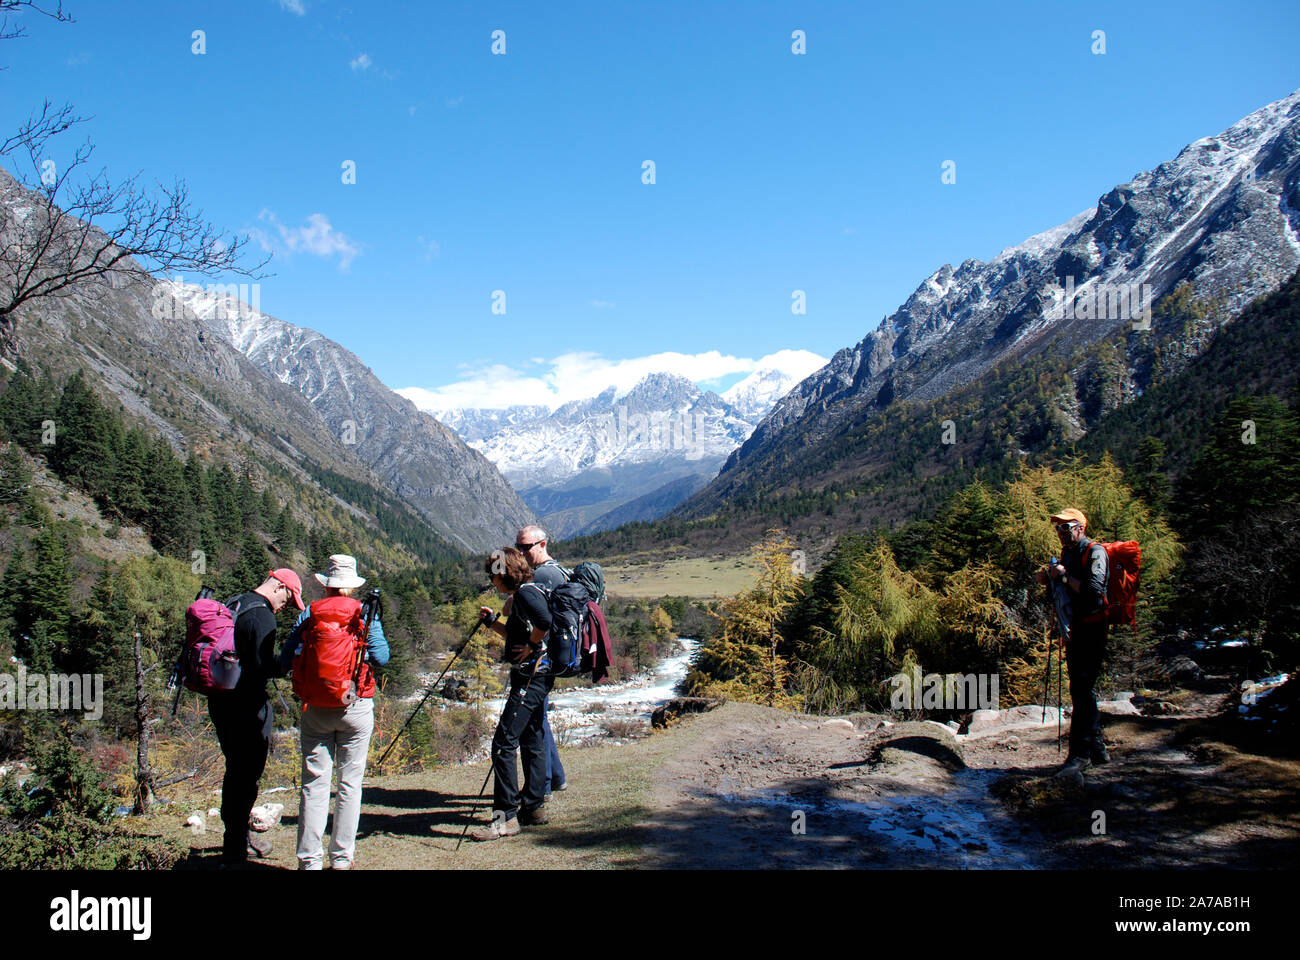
(522, 728)
(1083, 655)
(244, 731)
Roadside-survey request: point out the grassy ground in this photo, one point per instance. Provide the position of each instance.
(412, 822)
(685, 577)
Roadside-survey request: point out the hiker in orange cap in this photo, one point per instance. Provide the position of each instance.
(1082, 571)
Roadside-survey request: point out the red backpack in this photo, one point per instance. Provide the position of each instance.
(1124, 558)
(330, 668)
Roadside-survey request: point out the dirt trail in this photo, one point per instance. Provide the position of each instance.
(731, 788)
(738, 796)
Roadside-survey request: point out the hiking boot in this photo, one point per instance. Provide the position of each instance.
(535, 817)
(1100, 756)
(496, 830)
(258, 845)
(1074, 765)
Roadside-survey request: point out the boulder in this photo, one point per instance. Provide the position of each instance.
(679, 706)
(1181, 670)
(906, 743)
(845, 726)
(984, 722)
(265, 817)
(1119, 708)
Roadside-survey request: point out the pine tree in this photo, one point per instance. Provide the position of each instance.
(252, 566)
(84, 445)
(171, 518)
(130, 476)
(746, 662)
(15, 477)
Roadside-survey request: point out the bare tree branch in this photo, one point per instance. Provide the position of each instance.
(66, 228)
(10, 8)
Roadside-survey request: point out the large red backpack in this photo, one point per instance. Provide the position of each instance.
(1124, 559)
(330, 668)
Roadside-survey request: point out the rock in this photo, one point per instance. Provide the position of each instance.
(984, 722)
(195, 822)
(1181, 669)
(265, 817)
(906, 742)
(1119, 708)
(1158, 708)
(678, 706)
(1125, 695)
(214, 812)
(1011, 742)
(837, 724)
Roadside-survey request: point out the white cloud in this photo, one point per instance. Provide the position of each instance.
(316, 237)
(293, 6)
(454, 102)
(362, 62)
(576, 376)
(431, 247)
(601, 304)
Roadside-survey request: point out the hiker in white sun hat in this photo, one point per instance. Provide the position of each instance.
(341, 574)
(332, 652)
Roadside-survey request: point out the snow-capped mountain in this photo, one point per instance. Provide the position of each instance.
(754, 396)
(633, 451)
(1223, 216)
(457, 489)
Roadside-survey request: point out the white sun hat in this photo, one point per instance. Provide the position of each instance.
(341, 573)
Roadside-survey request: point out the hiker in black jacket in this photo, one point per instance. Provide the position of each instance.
(521, 727)
(1084, 571)
(242, 716)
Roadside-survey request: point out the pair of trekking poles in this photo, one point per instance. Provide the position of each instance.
(1060, 604)
(433, 688)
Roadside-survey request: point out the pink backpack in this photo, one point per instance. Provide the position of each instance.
(208, 659)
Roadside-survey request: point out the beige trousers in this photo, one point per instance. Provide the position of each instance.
(332, 738)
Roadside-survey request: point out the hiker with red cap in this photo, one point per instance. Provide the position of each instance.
(242, 716)
(333, 649)
(1084, 571)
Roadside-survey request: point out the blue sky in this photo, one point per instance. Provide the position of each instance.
(523, 172)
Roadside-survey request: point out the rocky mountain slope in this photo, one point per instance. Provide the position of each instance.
(1222, 216)
(457, 489)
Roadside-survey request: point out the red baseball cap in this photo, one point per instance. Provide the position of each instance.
(290, 580)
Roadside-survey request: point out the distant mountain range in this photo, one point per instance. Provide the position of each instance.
(621, 455)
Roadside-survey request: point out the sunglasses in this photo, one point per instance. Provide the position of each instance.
(526, 546)
(1065, 526)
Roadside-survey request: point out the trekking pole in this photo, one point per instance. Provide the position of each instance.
(537, 663)
(1047, 678)
(432, 689)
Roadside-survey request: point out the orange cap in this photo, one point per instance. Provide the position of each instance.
(1064, 516)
